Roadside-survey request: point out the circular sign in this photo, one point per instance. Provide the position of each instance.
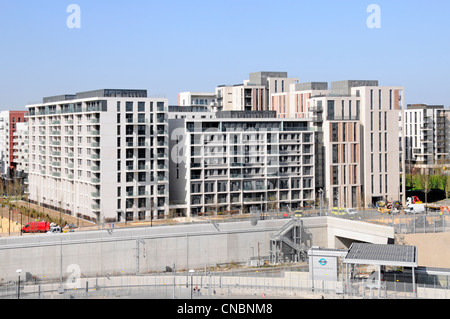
(323, 261)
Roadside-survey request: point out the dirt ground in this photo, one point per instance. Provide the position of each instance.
(433, 249)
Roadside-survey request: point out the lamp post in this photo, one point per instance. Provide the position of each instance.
(18, 271)
(191, 272)
(320, 200)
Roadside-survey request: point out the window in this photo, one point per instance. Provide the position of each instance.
(371, 142)
(334, 132)
(331, 109)
(344, 129)
(335, 175)
(335, 154)
(129, 106)
(129, 130)
(371, 121)
(371, 99)
(129, 177)
(379, 121)
(350, 109)
(141, 106)
(390, 99)
(371, 163)
(379, 99)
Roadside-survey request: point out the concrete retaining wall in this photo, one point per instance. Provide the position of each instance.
(142, 250)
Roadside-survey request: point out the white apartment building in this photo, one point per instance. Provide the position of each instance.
(255, 93)
(382, 157)
(197, 99)
(336, 119)
(100, 155)
(8, 144)
(241, 97)
(236, 161)
(427, 138)
(359, 127)
(295, 102)
(22, 139)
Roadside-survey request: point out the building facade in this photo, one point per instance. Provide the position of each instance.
(359, 126)
(9, 120)
(197, 99)
(427, 138)
(100, 155)
(237, 161)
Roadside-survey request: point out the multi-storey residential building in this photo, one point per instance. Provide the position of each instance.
(274, 82)
(236, 161)
(8, 143)
(254, 94)
(241, 97)
(427, 139)
(294, 103)
(339, 132)
(382, 109)
(358, 131)
(101, 155)
(22, 139)
(197, 99)
(362, 144)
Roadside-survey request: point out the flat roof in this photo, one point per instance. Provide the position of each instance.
(387, 255)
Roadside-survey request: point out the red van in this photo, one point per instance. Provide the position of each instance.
(36, 227)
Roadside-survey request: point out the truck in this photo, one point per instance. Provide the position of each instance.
(36, 227)
(413, 200)
(415, 209)
(54, 229)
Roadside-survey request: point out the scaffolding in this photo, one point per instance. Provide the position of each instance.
(291, 243)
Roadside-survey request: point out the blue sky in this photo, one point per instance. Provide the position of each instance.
(171, 46)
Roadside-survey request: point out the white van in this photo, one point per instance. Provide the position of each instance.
(415, 209)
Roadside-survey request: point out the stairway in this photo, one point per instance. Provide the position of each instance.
(287, 236)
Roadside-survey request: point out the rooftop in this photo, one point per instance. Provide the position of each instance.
(393, 255)
(97, 93)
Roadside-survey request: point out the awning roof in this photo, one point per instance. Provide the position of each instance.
(386, 255)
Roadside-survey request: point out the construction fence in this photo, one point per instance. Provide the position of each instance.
(254, 284)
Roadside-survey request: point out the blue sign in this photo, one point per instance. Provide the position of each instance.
(323, 262)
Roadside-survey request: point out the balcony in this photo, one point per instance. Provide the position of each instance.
(95, 194)
(94, 133)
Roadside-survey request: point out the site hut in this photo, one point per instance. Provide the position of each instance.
(239, 161)
(100, 155)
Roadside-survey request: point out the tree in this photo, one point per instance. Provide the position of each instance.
(445, 184)
(425, 181)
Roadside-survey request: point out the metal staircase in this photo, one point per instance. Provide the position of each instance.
(290, 243)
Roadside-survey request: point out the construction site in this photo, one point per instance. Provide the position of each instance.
(293, 255)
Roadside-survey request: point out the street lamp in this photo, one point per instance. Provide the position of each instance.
(18, 271)
(320, 200)
(191, 272)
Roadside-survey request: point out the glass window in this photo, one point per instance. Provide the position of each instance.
(129, 106)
